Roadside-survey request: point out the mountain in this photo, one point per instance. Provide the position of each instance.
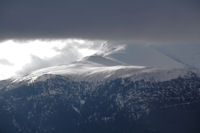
(142, 89)
(93, 96)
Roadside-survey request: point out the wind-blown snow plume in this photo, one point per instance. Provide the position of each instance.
(23, 57)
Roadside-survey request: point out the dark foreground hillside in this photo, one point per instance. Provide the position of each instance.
(61, 105)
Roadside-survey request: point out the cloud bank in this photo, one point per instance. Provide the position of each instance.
(154, 21)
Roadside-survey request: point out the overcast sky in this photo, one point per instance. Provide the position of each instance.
(162, 21)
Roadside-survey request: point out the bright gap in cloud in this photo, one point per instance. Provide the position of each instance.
(17, 55)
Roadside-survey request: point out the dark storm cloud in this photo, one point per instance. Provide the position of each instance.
(138, 20)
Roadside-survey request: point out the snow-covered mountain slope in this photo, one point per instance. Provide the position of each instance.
(90, 71)
(116, 65)
(128, 61)
(83, 71)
